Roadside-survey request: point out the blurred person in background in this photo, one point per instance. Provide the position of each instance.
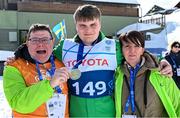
(173, 57)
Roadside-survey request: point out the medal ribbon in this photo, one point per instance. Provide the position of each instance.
(80, 56)
(131, 97)
(50, 71)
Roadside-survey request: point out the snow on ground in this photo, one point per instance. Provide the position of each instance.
(5, 110)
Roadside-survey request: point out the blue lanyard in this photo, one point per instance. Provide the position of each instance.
(50, 71)
(80, 56)
(131, 97)
(174, 63)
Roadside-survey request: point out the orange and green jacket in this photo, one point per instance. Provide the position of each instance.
(24, 91)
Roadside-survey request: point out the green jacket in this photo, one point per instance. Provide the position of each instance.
(165, 88)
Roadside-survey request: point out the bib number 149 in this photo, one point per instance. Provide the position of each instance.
(90, 88)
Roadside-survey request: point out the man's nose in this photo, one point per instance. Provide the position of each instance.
(87, 29)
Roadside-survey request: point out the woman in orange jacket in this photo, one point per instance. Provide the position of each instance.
(35, 83)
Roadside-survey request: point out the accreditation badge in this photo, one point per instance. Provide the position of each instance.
(56, 106)
(178, 72)
(129, 116)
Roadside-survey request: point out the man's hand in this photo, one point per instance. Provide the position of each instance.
(61, 75)
(165, 68)
(9, 60)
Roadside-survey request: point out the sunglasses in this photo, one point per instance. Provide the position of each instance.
(176, 46)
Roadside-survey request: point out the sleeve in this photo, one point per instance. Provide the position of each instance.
(174, 94)
(167, 91)
(21, 98)
(58, 50)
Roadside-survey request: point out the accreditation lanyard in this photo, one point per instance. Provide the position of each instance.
(80, 56)
(174, 63)
(50, 71)
(131, 97)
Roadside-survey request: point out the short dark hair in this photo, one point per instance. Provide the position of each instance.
(39, 27)
(175, 43)
(87, 12)
(134, 37)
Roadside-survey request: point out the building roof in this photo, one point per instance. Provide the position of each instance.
(154, 10)
(178, 5)
(138, 27)
(159, 10)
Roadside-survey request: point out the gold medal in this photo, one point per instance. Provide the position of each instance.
(76, 74)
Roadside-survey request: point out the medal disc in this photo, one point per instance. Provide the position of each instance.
(76, 74)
